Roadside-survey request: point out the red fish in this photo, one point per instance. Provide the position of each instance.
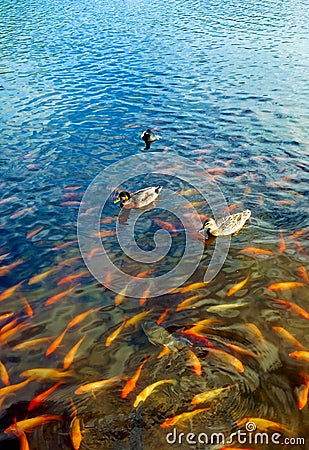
(70, 278)
(282, 245)
(295, 309)
(41, 398)
(131, 383)
(57, 297)
(163, 316)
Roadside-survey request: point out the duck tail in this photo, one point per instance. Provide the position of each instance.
(158, 189)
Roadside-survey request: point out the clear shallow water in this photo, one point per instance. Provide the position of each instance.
(223, 85)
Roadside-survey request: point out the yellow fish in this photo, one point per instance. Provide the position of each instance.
(184, 416)
(142, 396)
(97, 385)
(209, 395)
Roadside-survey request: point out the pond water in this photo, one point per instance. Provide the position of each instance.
(225, 87)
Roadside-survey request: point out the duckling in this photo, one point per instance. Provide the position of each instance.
(148, 137)
(140, 198)
(226, 225)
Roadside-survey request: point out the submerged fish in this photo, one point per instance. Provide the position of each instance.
(97, 385)
(142, 396)
(131, 383)
(264, 424)
(236, 287)
(184, 416)
(29, 424)
(209, 395)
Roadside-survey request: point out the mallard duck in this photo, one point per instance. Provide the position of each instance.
(148, 137)
(226, 225)
(140, 198)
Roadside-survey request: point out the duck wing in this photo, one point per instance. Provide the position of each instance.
(233, 223)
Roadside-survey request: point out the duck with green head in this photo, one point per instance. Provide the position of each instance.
(140, 198)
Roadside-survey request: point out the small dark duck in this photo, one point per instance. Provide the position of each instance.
(148, 137)
(140, 198)
(226, 225)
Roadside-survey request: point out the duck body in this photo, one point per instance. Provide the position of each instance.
(226, 225)
(148, 137)
(140, 198)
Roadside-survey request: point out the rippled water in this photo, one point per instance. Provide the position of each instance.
(224, 85)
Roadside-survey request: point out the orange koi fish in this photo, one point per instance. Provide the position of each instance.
(71, 278)
(6, 315)
(39, 399)
(137, 318)
(7, 200)
(227, 359)
(282, 245)
(300, 248)
(65, 245)
(43, 374)
(232, 207)
(23, 441)
(57, 297)
(72, 188)
(203, 325)
(69, 358)
(29, 310)
(8, 326)
(208, 396)
(142, 396)
(54, 345)
(144, 296)
(188, 302)
(302, 272)
(295, 309)
(29, 424)
(69, 261)
(114, 334)
(34, 232)
(253, 330)
(9, 292)
(69, 203)
(264, 424)
(299, 233)
(41, 276)
(288, 337)
(256, 251)
(103, 234)
(163, 316)
(189, 192)
(240, 350)
(11, 389)
(285, 285)
(131, 383)
(108, 220)
(302, 392)
(8, 334)
(121, 296)
(5, 269)
(4, 374)
(300, 356)
(94, 251)
(75, 433)
(165, 225)
(97, 385)
(237, 286)
(195, 363)
(32, 343)
(80, 317)
(164, 351)
(184, 416)
(191, 287)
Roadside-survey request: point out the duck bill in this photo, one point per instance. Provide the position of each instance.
(117, 200)
(204, 233)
